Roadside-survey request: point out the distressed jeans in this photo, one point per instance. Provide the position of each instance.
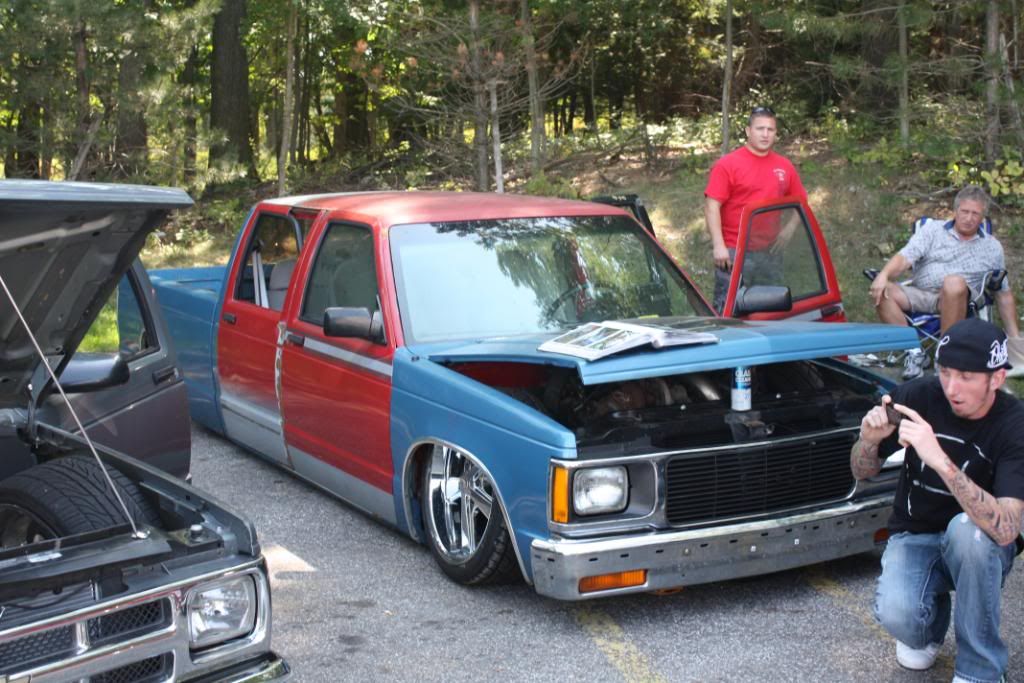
(913, 597)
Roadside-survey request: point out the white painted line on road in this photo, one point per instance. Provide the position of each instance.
(281, 561)
(613, 643)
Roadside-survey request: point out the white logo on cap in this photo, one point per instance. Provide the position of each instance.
(942, 342)
(998, 355)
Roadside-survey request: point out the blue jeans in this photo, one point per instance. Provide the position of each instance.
(759, 268)
(913, 601)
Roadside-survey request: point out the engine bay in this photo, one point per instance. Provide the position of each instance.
(687, 410)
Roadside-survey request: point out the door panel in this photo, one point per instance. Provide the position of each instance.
(147, 417)
(247, 336)
(336, 392)
(781, 244)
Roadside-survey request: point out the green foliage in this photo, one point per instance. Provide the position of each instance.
(548, 186)
(1006, 180)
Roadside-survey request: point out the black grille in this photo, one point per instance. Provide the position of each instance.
(36, 649)
(756, 480)
(145, 671)
(128, 623)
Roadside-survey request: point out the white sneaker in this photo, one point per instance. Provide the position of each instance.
(918, 660)
(913, 366)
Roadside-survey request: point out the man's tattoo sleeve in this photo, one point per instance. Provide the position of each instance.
(999, 518)
(864, 460)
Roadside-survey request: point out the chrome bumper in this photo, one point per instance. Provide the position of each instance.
(682, 558)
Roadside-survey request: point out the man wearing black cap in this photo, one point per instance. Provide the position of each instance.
(957, 512)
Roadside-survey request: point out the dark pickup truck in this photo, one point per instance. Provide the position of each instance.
(112, 567)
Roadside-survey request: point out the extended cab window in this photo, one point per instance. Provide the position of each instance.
(343, 274)
(122, 326)
(271, 253)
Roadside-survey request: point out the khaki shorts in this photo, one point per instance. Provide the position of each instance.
(925, 300)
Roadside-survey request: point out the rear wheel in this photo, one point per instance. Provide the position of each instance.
(66, 496)
(465, 526)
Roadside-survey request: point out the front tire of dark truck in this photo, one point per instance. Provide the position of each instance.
(66, 496)
(464, 522)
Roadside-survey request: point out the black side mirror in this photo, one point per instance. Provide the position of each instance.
(762, 299)
(344, 321)
(94, 372)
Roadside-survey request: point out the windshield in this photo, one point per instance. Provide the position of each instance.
(476, 279)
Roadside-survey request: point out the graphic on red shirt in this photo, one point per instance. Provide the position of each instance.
(742, 177)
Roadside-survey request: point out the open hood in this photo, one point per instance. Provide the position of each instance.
(740, 343)
(63, 249)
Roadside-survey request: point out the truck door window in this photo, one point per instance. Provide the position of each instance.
(123, 325)
(272, 250)
(781, 251)
(343, 274)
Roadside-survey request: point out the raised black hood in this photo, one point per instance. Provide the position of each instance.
(63, 249)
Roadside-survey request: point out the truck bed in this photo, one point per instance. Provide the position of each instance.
(191, 299)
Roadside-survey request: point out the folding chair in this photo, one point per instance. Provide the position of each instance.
(928, 325)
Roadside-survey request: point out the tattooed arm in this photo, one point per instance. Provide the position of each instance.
(864, 460)
(1000, 518)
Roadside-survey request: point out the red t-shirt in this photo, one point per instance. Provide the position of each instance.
(741, 177)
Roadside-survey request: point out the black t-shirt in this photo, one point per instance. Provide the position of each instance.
(989, 450)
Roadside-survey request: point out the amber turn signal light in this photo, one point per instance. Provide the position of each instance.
(560, 495)
(604, 582)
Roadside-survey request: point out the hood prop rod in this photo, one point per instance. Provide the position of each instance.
(136, 532)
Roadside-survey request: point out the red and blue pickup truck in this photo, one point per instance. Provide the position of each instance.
(387, 348)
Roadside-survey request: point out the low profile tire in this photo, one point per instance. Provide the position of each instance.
(66, 496)
(465, 526)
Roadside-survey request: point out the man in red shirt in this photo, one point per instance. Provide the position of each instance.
(750, 173)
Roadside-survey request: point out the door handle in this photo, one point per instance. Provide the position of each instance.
(164, 374)
(292, 338)
(230, 318)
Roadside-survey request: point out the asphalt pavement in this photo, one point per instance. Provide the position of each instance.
(356, 600)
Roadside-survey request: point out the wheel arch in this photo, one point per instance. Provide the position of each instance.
(415, 457)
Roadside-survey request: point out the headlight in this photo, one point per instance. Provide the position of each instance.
(599, 490)
(220, 611)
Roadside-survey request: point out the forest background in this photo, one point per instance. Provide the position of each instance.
(886, 106)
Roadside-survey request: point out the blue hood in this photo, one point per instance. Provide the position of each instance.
(740, 343)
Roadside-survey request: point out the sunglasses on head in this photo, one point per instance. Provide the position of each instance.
(757, 111)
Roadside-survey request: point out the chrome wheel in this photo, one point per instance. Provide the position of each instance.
(460, 501)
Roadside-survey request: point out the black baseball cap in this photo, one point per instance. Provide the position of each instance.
(973, 345)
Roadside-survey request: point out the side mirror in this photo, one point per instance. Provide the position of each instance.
(93, 372)
(762, 299)
(344, 321)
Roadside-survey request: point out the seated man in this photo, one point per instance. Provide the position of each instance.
(950, 260)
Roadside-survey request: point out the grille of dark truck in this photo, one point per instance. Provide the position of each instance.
(60, 643)
(151, 670)
(756, 480)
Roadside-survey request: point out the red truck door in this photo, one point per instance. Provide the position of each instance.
(780, 243)
(336, 391)
(248, 331)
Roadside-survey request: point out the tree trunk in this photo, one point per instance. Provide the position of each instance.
(189, 80)
(1011, 91)
(479, 100)
(81, 83)
(229, 90)
(131, 136)
(901, 20)
(727, 77)
(991, 80)
(590, 104)
(289, 84)
(499, 179)
(536, 108)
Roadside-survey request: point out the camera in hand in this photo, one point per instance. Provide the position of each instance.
(894, 416)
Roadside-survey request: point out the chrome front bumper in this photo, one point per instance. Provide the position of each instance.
(682, 558)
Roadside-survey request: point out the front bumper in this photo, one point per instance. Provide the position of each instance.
(682, 558)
